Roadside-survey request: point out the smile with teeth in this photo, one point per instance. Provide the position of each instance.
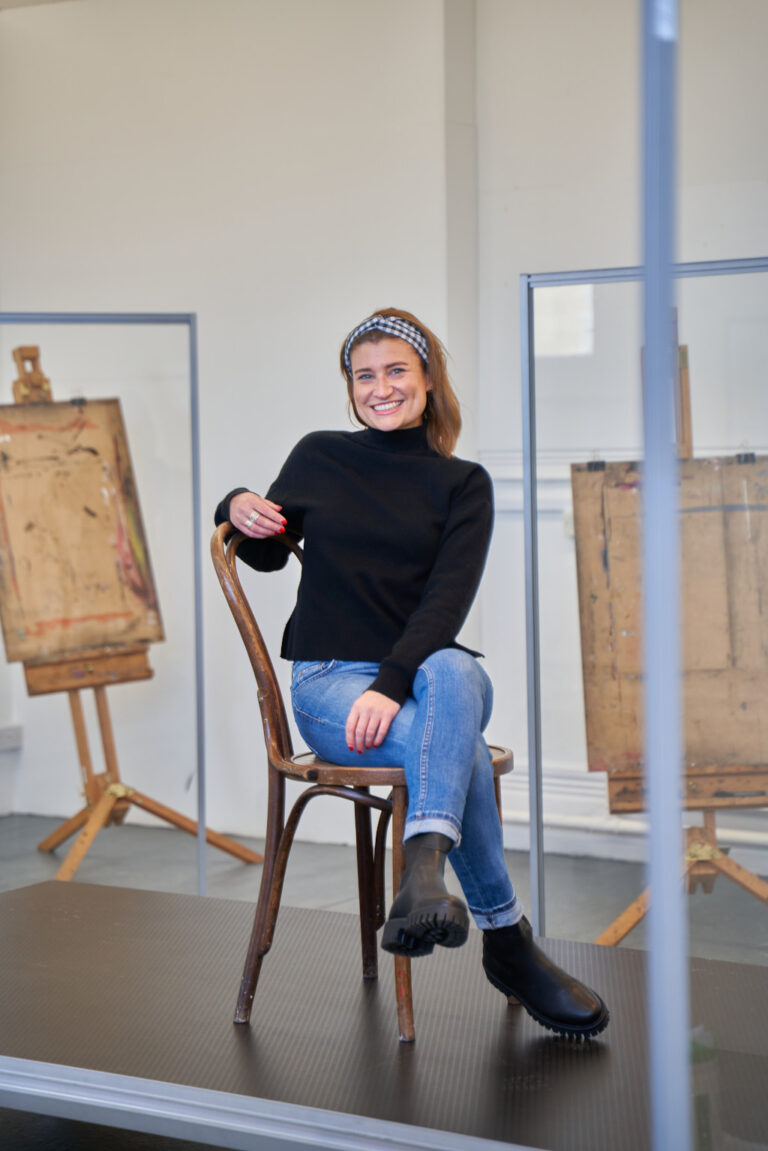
(389, 406)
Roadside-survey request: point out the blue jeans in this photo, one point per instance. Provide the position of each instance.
(437, 738)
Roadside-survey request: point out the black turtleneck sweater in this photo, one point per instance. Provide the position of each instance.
(395, 542)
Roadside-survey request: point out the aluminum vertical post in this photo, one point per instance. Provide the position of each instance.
(533, 658)
(668, 972)
(194, 405)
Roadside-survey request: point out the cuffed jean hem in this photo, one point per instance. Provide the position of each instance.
(423, 824)
(503, 917)
(436, 737)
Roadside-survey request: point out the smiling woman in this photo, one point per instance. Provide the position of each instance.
(397, 530)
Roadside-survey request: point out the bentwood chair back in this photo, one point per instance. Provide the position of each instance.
(321, 778)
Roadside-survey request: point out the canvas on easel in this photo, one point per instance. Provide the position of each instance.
(78, 604)
(75, 571)
(724, 559)
(723, 506)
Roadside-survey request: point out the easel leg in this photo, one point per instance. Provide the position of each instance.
(99, 818)
(112, 774)
(628, 919)
(709, 859)
(90, 786)
(223, 842)
(52, 841)
(734, 871)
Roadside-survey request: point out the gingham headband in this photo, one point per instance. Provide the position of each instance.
(392, 326)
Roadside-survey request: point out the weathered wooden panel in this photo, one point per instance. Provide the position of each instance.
(74, 565)
(99, 668)
(724, 542)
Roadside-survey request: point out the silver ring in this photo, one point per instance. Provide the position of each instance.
(252, 518)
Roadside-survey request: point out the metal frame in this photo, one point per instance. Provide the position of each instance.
(528, 283)
(189, 320)
(221, 1118)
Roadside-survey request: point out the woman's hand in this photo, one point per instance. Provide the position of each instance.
(369, 719)
(255, 517)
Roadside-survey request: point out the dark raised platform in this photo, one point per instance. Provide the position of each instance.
(116, 1007)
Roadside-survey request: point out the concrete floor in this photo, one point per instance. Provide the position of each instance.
(583, 895)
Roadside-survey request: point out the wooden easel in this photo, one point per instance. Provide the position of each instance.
(708, 786)
(107, 798)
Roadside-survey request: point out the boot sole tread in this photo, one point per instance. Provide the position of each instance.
(417, 934)
(573, 1031)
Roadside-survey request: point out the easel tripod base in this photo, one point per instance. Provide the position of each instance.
(107, 798)
(704, 861)
(112, 808)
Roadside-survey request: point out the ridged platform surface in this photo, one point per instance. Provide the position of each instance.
(142, 985)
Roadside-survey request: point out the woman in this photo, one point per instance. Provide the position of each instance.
(396, 532)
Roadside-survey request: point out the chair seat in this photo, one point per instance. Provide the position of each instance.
(312, 769)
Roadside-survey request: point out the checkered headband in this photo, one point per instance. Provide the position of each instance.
(392, 326)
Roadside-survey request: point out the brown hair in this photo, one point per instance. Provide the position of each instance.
(442, 414)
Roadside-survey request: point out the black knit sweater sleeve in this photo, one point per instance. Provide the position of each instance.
(450, 589)
(271, 554)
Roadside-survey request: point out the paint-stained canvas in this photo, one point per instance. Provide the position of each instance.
(74, 564)
(724, 575)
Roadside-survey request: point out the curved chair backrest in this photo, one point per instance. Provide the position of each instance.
(224, 544)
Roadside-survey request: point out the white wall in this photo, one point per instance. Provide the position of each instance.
(281, 169)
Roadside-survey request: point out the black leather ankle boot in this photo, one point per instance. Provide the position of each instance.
(424, 912)
(519, 968)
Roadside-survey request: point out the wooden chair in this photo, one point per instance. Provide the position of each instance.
(351, 783)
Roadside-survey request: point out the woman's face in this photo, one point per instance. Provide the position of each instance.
(389, 385)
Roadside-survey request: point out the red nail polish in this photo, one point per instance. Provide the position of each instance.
(351, 748)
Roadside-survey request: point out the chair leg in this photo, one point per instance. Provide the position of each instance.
(380, 864)
(403, 990)
(256, 947)
(281, 862)
(366, 890)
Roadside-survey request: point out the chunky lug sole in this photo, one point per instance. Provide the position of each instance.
(569, 1030)
(416, 934)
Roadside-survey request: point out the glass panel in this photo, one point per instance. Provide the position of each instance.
(147, 369)
(724, 322)
(588, 403)
(589, 416)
